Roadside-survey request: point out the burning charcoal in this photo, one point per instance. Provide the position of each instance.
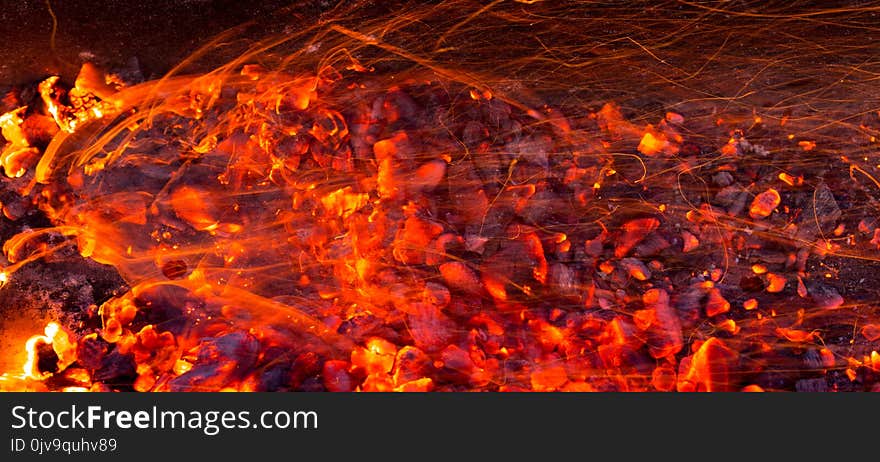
(871, 332)
(548, 378)
(867, 225)
(825, 207)
(801, 261)
(461, 277)
(366, 229)
(689, 241)
(550, 336)
(635, 268)
(376, 358)
(876, 238)
(422, 385)
(664, 331)
(751, 284)
(563, 280)
(289, 150)
(652, 245)
(708, 369)
(795, 335)
(305, 365)
(220, 360)
(715, 303)
(38, 130)
(540, 206)
(437, 295)
(199, 378)
(443, 247)
(516, 267)
(391, 155)
(411, 364)
(412, 240)
(431, 330)
(801, 288)
(428, 176)
(496, 111)
(745, 148)
(93, 80)
(620, 356)
(633, 233)
(500, 213)
(611, 120)
(360, 326)
(377, 383)
(764, 204)
(336, 376)
(194, 206)
(819, 359)
(687, 303)
(593, 247)
(455, 359)
(11, 99)
(398, 105)
(775, 282)
(653, 142)
(14, 207)
(18, 155)
(663, 378)
(473, 204)
(812, 359)
(144, 382)
(75, 377)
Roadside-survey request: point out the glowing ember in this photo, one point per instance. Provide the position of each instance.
(716, 304)
(764, 204)
(776, 282)
(57, 338)
(18, 155)
(690, 241)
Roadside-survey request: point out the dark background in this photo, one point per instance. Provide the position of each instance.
(159, 33)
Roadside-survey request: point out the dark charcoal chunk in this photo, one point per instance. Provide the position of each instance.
(116, 368)
(313, 384)
(820, 214)
(91, 351)
(751, 284)
(221, 360)
(47, 359)
(811, 385)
